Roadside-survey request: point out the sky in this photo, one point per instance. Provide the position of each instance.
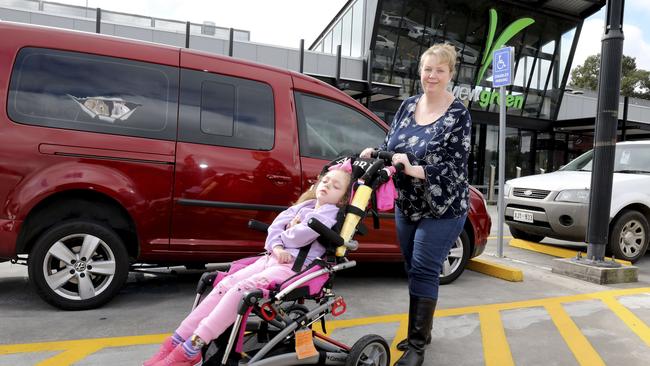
(267, 20)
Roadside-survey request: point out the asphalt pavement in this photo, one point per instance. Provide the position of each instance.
(547, 319)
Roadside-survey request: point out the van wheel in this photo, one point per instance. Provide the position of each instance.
(78, 265)
(518, 234)
(628, 238)
(456, 261)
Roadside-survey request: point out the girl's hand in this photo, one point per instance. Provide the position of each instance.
(294, 222)
(282, 255)
(366, 152)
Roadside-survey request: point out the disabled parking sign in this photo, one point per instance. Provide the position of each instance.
(502, 66)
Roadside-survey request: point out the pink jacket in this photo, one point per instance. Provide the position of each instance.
(299, 235)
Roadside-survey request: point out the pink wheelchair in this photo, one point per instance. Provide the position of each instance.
(268, 319)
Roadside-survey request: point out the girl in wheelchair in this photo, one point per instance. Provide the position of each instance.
(286, 236)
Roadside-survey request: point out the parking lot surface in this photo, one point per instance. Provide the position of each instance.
(546, 319)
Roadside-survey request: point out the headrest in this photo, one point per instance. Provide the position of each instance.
(359, 165)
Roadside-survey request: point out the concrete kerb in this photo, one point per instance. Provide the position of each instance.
(497, 270)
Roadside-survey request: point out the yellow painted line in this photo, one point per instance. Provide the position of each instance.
(70, 356)
(496, 349)
(83, 344)
(632, 321)
(552, 250)
(495, 270)
(401, 333)
(583, 351)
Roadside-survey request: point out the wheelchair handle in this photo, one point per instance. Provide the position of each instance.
(258, 225)
(387, 157)
(325, 232)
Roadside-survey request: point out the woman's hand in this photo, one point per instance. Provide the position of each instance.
(282, 255)
(401, 158)
(366, 152)
(414, 171)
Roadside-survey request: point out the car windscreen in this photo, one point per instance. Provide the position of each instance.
(628, 159)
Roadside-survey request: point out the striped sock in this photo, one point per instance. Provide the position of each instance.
(176, 339)
(190, 351)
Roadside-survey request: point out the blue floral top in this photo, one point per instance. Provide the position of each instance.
(442, 148)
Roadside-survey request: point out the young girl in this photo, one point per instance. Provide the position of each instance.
(286, 235)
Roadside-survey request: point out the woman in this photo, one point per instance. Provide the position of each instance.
(430, 135)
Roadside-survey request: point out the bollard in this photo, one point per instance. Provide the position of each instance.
(518, 171)
(542, 171)
(493, 170)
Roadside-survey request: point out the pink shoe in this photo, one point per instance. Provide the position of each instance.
(165, 348)
(178, 357)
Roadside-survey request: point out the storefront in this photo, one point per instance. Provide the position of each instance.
(544, 34)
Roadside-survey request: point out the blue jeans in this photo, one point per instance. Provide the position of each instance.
(425, 245)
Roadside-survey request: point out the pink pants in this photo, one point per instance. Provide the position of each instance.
(219, 309)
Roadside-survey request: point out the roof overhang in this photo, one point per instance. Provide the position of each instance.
(359, 89)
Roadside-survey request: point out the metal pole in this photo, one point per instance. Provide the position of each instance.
(302, 55)
(502, 167)
(98, 21)
(626, 102)
(605, 140)
(187, 34)
(518, 171)
(231, 42)
(493, 170)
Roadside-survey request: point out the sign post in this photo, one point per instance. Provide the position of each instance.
(502, 77)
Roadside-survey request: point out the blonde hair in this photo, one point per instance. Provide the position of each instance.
(310, 194)
(444, 53)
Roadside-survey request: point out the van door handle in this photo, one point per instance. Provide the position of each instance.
(281, 179)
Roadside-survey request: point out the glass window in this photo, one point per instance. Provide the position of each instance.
(327, 46)
(226, 111)
(323, 135)
(217, 108)
(336, 37)
(357, 29)
(346, 37)
(93, 93)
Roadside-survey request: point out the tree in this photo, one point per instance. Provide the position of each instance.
(634, 83)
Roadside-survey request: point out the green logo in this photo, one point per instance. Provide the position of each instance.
(511, 30)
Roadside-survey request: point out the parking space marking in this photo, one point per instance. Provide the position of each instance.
(76, 350)
(553, 250)
(583, 351)
(631, 320)
(496, 349)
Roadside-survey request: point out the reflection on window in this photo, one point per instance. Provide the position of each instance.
(93, 93)
(324, 136)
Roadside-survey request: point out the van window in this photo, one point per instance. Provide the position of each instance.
(85, 92)
(226, 111)
(329, 129)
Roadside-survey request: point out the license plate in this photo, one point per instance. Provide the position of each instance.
(523, 216)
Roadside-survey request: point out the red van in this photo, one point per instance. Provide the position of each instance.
(115, 152)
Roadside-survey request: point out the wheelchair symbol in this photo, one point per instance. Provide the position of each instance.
(500, 63)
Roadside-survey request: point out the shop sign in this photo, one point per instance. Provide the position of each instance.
(485, 97)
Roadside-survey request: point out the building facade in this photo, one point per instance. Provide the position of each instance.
(544, 35)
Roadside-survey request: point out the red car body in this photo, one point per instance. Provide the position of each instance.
(171, 201)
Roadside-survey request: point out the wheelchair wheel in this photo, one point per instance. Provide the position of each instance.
(370, 350)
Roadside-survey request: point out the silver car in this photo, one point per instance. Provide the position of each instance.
(556, 204)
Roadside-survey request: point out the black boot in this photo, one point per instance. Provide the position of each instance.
(403, 345)
(420, 330)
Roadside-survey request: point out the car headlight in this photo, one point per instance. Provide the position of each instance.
(574, 195)
(506, 190)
